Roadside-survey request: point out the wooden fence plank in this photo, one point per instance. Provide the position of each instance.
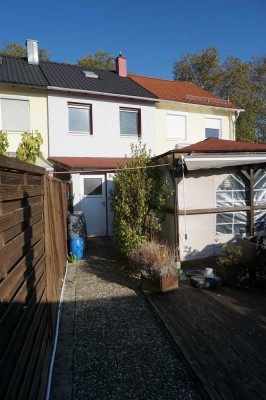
(12, 351)
(9, 192)
(13, 281)
(12, 205)
(19, 371)
(9, 220)
(33, 255)
(18, 247)
(17, 229)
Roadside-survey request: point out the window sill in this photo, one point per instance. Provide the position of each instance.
(80, 134)
(130, 137)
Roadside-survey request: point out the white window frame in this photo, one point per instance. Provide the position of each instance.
(214, 119)
(136, 111)
(175, 114)
(25, 99)
(83, 106)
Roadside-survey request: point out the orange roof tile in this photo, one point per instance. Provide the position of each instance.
(184, 92)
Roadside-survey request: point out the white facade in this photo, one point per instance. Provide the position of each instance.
(105, 140)
(179, 125)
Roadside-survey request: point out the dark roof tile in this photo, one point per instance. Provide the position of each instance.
(17, 70)
(72, 77)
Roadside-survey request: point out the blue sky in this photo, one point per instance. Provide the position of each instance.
(150, 33)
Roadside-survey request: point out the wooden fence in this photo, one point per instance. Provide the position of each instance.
(33, 254)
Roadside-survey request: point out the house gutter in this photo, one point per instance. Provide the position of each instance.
(197, 105)
(54, 88)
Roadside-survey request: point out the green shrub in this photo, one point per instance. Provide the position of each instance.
(30, 147)
(3, 143)
(138, 197)
(232, 255)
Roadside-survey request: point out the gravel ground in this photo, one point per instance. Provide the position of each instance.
(111, 345)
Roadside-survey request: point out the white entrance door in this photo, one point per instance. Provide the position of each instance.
(93, 203)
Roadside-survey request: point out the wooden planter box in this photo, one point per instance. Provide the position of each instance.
(160, 284)
(231, 274)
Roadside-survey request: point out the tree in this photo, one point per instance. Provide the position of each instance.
(243, 82)
(101, 60)
(137, 198)
(18, 50)
(3, 143)
(30, 147)
(205, 70)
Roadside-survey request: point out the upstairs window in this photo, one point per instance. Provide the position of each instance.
(80, 118)
(130, 125)
(212, 128)
(176, 126)
(15, 115)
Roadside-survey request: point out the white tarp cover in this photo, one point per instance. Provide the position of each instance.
(207, 162)
(202, 235)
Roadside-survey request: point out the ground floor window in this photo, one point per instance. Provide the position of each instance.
(232, 223)
(234, 192)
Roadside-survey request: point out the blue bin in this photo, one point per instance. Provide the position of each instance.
(77, 247)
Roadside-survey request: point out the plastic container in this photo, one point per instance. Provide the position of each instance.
(77, 228)
(77, 225)
(77, 247)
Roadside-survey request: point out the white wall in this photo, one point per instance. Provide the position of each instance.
(197, 233)
(195, 119)
(106, 140)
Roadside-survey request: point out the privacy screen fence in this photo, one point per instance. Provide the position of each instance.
(33, 254)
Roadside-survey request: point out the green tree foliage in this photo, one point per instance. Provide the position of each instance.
(243, 82)
(100, 60)
(19, 50)
(205, 69)
(137, 200)
(30, 147)
(3, 143)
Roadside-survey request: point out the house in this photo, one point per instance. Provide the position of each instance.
(23, 99)
(187, 114)
(219, 194)
(93, 117)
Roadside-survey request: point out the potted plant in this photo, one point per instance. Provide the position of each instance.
(156, 263)
(230, 266)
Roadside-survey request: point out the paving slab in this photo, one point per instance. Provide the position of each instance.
(111, 345)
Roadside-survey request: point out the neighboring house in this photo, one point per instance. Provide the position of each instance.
(186, 114)
(23, 99)
(219, 194)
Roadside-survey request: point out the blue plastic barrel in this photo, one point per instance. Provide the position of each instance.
(77, 247)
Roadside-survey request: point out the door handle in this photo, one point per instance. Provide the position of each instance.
(103, 203)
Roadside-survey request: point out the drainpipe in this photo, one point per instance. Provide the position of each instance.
(234, 124)
(175, 209)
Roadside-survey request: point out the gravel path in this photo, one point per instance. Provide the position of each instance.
(111, 345)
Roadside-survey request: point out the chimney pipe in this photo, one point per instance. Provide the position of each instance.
(121, 65)
(32, 51)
